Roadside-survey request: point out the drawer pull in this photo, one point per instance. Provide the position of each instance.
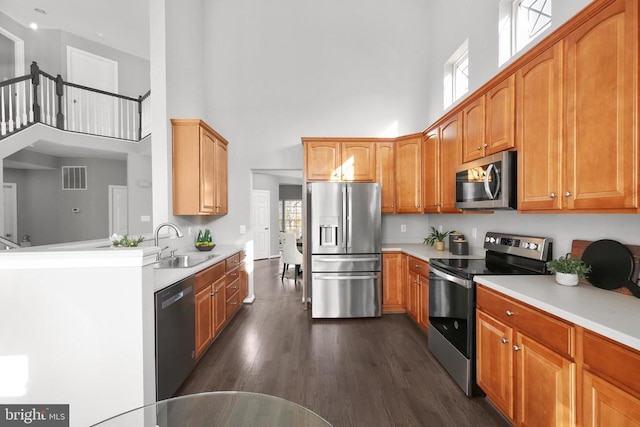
(510, 313)
(516, 348)
(213, 294)
(504, 340)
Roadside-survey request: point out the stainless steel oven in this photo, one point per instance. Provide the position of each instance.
(452, 297)
(488, 183)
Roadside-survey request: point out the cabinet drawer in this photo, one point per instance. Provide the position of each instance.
(233, 302)
(555, 333)
(232, 262)
(419, 266)
(210, 275)
(233, 275)
(612, 359)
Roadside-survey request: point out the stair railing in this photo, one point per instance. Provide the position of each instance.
(41, 98)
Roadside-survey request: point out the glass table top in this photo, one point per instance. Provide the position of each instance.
(223, 408)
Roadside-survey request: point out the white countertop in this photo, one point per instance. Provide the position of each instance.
(164, 277)
(608, 313)
(425, 252)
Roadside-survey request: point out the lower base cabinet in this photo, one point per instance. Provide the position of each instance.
(610, 383)
(539, 370)
(393, 295)
(529, 382)
(217, 299)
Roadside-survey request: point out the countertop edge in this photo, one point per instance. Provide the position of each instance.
(607, 313)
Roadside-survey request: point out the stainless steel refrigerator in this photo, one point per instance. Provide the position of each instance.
(344, 249)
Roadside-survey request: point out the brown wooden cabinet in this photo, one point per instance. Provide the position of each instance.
(489, 121)
(539, 131)
(393, 284)
(328, 159)
(524, 361)
(418, 291)
(218, 304)
(385, 175)
(431, 171)
(206, 315)
(409, 174)
(199, 169)
(610, 386)
(232, 290)
(450, 151)
(602, 141)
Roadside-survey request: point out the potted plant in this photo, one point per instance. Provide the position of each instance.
(568, 270)
(436, 238)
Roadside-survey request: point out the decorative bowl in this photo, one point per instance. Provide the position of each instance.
(205, 248)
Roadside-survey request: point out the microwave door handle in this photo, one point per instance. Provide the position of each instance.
(487, 188)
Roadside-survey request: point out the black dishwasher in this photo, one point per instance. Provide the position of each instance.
(175, 336)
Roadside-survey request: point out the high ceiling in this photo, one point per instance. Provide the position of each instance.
(121, 24)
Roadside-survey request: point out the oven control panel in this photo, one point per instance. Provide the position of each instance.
(527, 246)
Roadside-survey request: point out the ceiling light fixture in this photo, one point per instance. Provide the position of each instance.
(33, 26)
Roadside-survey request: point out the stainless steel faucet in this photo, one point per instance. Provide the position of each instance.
(157, 232)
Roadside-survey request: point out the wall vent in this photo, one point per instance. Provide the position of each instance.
(74, 177)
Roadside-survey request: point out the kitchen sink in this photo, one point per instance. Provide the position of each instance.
(181, 261)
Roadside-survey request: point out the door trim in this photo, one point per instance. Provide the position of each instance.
(18, 52)
(14, 199)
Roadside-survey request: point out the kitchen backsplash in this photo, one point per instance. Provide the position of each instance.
(562, 228)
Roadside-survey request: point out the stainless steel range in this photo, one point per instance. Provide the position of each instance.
(452, 297)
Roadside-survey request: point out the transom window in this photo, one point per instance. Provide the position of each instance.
(521, 21)
(456, 75)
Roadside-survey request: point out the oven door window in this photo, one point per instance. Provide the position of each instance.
(450, 311)
(479, 184)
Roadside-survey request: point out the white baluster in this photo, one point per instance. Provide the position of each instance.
(16, 97)
(3, 122)
(31, 118)
(24, 101)
(10, 88)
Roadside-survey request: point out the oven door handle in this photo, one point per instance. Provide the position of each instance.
(466, 283)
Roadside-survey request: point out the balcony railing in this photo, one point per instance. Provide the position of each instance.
(39, 97)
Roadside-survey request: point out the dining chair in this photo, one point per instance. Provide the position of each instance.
(290, 255)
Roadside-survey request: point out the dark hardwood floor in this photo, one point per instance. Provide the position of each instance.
(352, 372)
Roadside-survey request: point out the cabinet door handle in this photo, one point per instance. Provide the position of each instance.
(479, 148)
(567, 193)
(516, 348)
(213, 294)
(486, 145)
(510, 313)
(552, 195)
(504, 340)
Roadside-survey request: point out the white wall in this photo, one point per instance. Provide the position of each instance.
(449, 23)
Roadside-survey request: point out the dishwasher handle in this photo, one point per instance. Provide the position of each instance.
(167, 302)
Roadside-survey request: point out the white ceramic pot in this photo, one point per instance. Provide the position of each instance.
(567, 279)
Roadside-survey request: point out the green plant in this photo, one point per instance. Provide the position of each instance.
(125, 241)
(566, 264)
(436, 236)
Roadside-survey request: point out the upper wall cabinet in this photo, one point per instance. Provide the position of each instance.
(602, 110)
(385, 174)
(441, 153)
(539, 131)
(594, 168)
(199, 169)
(489, 121)
(331, 160)
(409, 174)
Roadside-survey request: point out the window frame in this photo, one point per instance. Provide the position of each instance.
(450, 80)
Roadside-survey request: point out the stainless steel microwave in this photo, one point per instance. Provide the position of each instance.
(488, 183)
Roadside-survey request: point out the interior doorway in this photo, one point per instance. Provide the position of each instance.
(12, 55)
(118, 210)
(10, 209)
(260, 220)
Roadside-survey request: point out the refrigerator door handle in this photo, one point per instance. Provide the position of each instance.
(336, 277)
(348, 217)
(343, 217)
(374, 259)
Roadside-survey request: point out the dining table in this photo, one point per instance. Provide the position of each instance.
(220, 408)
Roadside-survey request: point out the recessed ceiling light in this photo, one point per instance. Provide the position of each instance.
(100, 35)
(40, 11)
(33, 26)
